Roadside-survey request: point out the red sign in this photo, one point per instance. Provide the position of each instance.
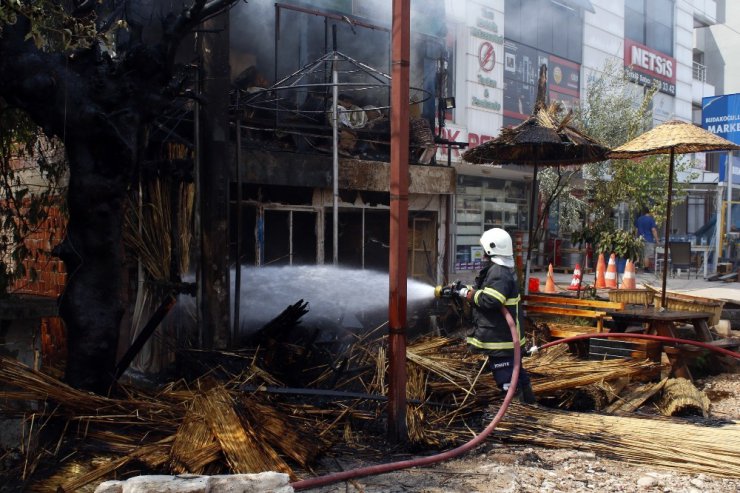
(647, 66)
(486, 56)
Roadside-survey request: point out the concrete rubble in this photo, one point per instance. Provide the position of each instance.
(265, 482)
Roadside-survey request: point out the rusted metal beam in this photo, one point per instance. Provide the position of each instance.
(399, 224)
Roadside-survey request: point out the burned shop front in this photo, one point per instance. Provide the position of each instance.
(287, 213)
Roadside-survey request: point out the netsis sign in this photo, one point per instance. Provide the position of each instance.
(646, 66)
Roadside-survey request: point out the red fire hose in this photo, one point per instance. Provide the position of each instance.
(423, 461)
(432, 459)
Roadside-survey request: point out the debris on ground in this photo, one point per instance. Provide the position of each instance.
(250, 421)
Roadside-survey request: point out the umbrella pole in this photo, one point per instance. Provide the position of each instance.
(667, 231)
(532, 208)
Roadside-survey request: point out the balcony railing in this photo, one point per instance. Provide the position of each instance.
(699, 72)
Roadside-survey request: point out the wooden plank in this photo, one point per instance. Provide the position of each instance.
(561, 300)
(572, 312)
(563, 331)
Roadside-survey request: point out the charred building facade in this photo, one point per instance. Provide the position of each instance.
(292, 65)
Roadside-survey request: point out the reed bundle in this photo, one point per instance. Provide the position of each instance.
(147, 231)
(682, 398)
(83, 406)
(595, 396)
(283, 431)
(243, 451)
(415, 414)
(153, 455)
(193, 437)
(443, 359)
(661, 443)
(554, 371)
(635, 397)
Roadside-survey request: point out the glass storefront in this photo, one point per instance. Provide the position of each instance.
(481, 204)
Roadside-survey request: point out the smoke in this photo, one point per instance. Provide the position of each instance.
(346, 297)
(351, 299)
(304, 37)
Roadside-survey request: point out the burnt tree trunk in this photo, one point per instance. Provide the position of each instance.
(92, 251)
(213, 181)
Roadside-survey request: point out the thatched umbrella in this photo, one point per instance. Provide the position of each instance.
(540, 140)
(671, 137)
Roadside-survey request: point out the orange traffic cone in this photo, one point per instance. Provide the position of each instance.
(611, 273)
(575, 283)
(628, 278)
(550, 284)
(600, 272)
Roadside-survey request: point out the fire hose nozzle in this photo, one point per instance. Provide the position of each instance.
(443, 292)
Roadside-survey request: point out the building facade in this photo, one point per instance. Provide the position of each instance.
(499, 45)
(474, 67)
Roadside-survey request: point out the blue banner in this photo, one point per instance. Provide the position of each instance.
(721, 116)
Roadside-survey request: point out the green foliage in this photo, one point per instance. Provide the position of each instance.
(50, 26)
(625, 244)
(32, 171)
(556, 186)
(615, 111)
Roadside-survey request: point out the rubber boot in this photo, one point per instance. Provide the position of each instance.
(526, 395)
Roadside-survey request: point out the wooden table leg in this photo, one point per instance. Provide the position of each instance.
(701, 327)
(678, 365)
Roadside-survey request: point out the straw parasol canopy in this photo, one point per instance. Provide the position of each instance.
(674, 135)
(671, 137)
(543, 139)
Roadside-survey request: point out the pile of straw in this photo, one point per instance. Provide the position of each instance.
(662, 443)
(212, 426)
(681, 398)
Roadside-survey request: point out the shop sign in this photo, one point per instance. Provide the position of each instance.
(648, 67)
(485, 102)
(485, 28)
(458, 134)
(521, 71)
(486, 56)
(451, 133)
(721, 116)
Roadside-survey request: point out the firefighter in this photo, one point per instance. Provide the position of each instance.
(497, 285)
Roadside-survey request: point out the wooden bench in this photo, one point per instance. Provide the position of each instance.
(561, 306)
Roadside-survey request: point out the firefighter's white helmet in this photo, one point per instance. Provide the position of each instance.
(496, 241)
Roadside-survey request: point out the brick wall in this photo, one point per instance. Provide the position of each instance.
(50, 275)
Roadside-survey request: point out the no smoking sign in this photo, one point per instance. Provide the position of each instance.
(486, 56)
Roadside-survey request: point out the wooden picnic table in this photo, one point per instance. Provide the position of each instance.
(661, 323)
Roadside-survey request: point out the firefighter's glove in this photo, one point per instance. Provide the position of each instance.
(466, 293)
(462, 291)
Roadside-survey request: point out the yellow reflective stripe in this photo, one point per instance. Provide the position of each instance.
(493, 345)
(513, 301)
(490, 292)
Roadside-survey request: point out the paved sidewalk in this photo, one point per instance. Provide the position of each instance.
(681, 283)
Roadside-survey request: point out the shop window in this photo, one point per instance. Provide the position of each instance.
(364, 241)
(650, 22)
(482, 204)
(545, 25)
(289, 237)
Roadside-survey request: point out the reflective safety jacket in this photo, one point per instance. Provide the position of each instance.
(496, 285)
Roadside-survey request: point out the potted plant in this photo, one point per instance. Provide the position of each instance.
(625, 244)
